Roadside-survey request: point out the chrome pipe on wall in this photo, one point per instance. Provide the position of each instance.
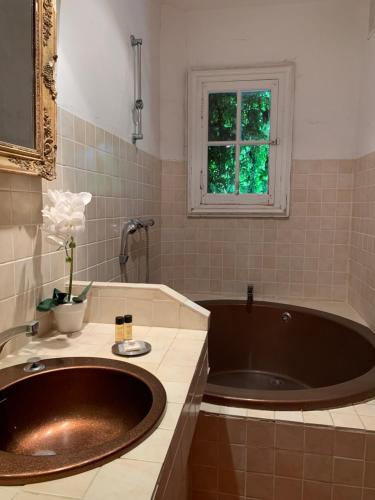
(138, 101)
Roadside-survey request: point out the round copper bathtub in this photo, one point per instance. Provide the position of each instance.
(277, 356)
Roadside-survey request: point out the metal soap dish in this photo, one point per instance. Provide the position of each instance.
(131, 348)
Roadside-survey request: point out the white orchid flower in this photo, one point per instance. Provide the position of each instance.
(64, 218)
(64, 215)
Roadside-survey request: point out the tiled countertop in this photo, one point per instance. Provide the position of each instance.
(173, 360)
(359, 416)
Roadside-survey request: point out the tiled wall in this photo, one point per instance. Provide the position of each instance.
(150, 305)
(124, 181)
(362, 254)
(306, 255)
(174, 479)
(238, 458)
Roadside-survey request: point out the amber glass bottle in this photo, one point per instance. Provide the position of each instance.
(119, 329)
(128, 327)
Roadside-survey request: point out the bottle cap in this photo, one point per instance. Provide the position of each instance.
(128, 318)
(119, 320)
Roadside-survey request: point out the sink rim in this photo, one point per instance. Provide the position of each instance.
(18, 469)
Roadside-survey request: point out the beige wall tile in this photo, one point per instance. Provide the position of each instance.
(7, 281)
(166, 313)
(362, 249)
(23, 237)
(251, 251)
(66, 122)
(192, 320)
(21, 201)
(6, 244)
(198, 255)
(5, 207)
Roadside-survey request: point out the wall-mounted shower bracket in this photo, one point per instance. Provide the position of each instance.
(135, 41)
(138, 101)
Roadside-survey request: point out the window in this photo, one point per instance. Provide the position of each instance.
(240, 134)
(371, 29)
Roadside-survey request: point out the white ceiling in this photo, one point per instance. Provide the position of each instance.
(227, 4)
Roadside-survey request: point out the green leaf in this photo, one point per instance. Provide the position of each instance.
(46, 305)
(83, 295)
(59, 297)
(56, 293)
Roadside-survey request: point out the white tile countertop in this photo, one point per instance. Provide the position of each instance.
(173, 360)
(357, 417)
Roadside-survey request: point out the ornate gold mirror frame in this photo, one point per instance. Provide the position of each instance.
(41, 160)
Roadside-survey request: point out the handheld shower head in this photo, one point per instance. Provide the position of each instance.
(132, 227)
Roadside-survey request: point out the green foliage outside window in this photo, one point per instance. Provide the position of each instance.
(222, 117)
(253, 160)
(254, 169)
(221, 169)
(255, 115)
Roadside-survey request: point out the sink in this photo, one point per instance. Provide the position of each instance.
(74, 415)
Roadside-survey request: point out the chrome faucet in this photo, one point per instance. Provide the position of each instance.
(30, 329)
(250, 295)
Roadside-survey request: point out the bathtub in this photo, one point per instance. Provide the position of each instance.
(282, 357)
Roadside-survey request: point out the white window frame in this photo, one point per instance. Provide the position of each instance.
(202, 82)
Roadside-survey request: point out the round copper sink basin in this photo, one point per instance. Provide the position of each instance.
(76, 414)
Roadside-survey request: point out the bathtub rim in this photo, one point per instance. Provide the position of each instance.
(357, 390)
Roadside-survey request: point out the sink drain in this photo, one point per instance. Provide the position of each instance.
(44, 453)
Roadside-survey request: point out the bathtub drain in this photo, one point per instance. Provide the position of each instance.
(277, 382)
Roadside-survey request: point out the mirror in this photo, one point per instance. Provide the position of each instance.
(27, 87)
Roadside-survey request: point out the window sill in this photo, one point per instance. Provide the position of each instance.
(244, 211)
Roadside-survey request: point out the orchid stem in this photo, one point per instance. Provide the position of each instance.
(71, 246)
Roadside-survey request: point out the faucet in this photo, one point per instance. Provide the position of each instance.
(31, 328)
(250, 295)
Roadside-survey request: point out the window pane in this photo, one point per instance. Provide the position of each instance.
(255, 115)
(222, 117)
(221, 169)
(254, 169)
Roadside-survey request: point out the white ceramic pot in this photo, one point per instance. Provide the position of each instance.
(69, 317)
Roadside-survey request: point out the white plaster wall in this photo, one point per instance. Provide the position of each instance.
(95, 70)
(174, 64)
(324, 37)
(366, 136)
(228, 4)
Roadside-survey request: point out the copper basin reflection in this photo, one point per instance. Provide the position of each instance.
(76, 414)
